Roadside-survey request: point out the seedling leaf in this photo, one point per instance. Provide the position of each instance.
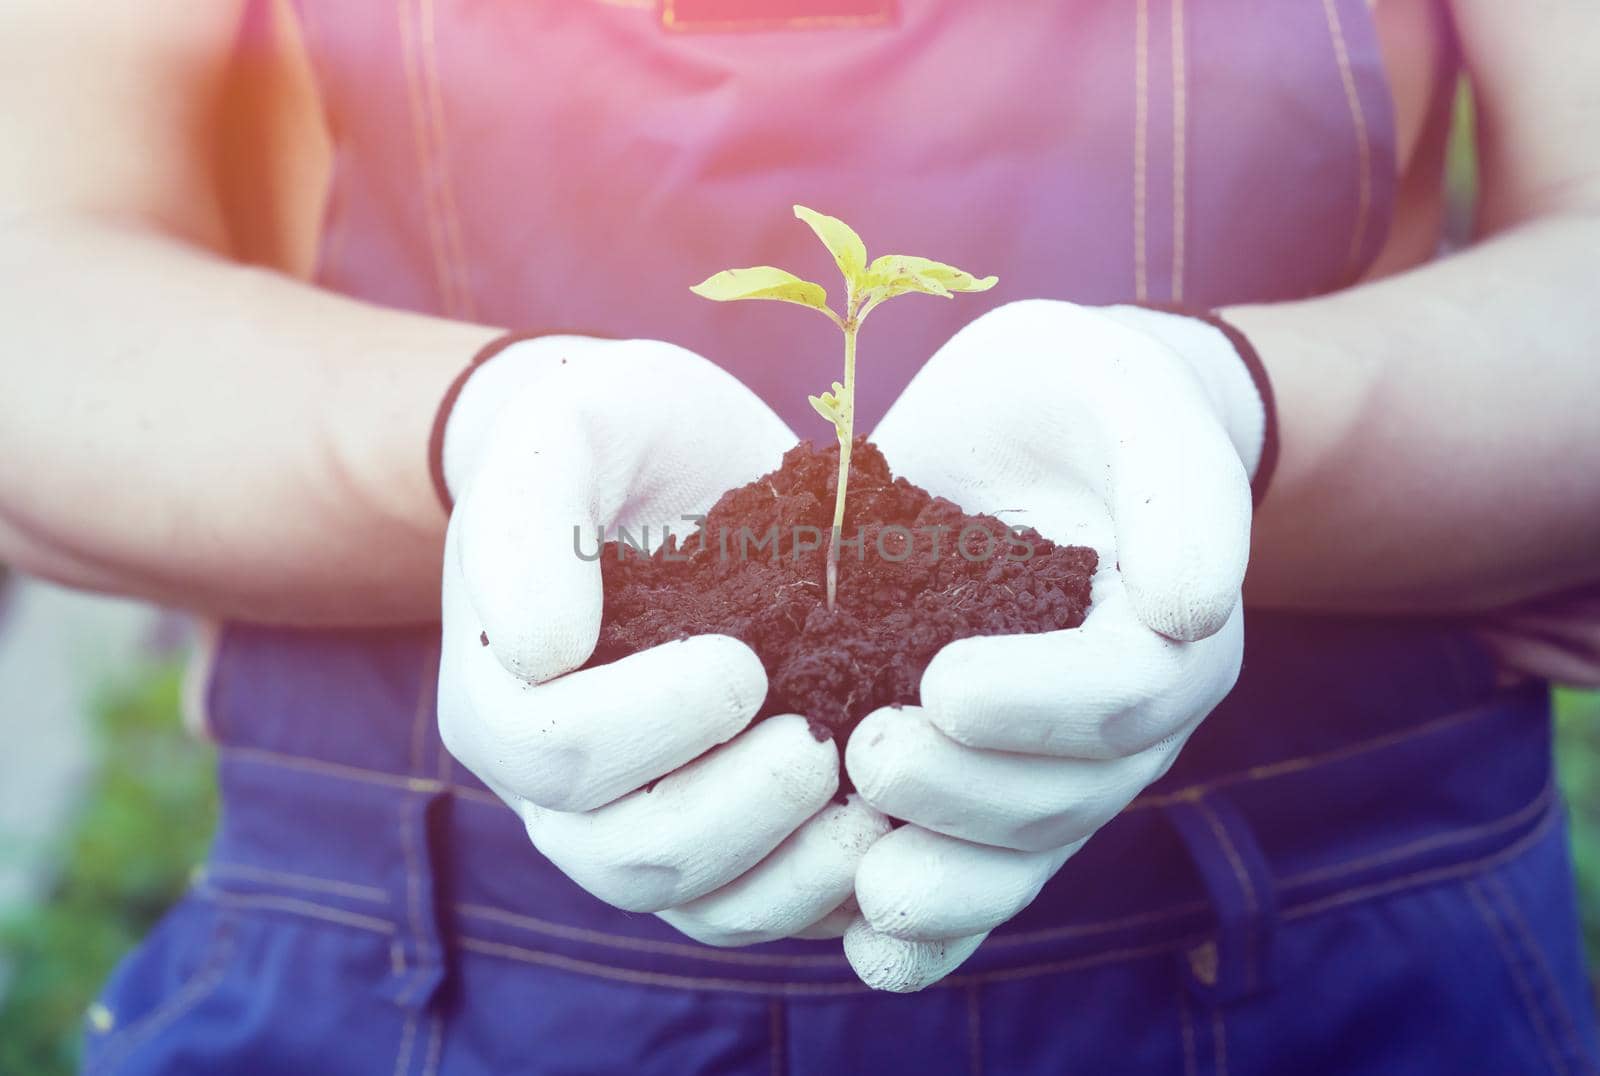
(897, 274)
(763, 282)
(842, 242)
(827, 406)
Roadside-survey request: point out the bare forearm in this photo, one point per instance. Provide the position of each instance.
(1440, 446)
(225, 439)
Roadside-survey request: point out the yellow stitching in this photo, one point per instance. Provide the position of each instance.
(218, 947)
(807, 22)
(669, 19)
(442, 279)
(621, 941)
(1219, 1040)
(775, 1034)
(791, 988)
(333, 214)
(446, 762)
(427, 684)
(1263, 772)
(1242, 876)
(1359, 118)
(1111, 956)
(430, 1066)
(1180, 120)
(647, 978)
(1425, 844)
(1239, 873)
(997, 942)
(199, 987)
(1186, 1024)
(397, 959)
(402, 1060)
(1519, 924)
(1270, 770)
(194, 686)
(408, 48)
(1141, 116)
(301, 881)
(217, 638)
(296, 906)
(413, 904)
(1104, 926)
(477, 795)
(336, 216)
(316, 766)
(1418, 878)
(737, 986)
(644, 945)
(974, 1032)
(1509, 959)
(447, 198)
(266, 756)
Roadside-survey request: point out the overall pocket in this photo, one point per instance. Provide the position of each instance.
(182, 962)
(1530, 919)
(1449, 969)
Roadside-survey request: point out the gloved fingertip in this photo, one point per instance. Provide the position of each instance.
(535, 660)
(1183, 614)
(897, 966)
(871, 758)
(734, 667)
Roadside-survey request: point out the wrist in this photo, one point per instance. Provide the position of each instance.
(376, 405)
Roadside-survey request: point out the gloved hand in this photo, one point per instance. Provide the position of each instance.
(638, 779)
(1087, 425)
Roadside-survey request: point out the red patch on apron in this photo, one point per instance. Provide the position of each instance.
(691, 15)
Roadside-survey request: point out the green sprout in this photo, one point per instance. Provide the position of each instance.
(866, 285)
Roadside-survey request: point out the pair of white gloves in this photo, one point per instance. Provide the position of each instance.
(1127, 430)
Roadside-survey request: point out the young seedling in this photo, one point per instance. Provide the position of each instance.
(866, 285)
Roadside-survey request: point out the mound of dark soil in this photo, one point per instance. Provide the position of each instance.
(924, 573)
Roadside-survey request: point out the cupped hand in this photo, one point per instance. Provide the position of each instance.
(642, 779)
(1086, 427)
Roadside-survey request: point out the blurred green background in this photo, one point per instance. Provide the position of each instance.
(145, 823)
(1578, 768)
(151, 806)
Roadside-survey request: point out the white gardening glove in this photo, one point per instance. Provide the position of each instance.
(1088, 426)
(638, 779)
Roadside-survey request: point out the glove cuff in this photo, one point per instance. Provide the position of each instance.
(1229, 366)
(446, 447)
(447, 406)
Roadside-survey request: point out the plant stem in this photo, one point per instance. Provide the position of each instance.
(846, 431)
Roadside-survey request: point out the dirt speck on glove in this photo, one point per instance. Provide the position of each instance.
(897, 606)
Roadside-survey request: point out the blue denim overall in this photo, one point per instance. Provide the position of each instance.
(1357, 866)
